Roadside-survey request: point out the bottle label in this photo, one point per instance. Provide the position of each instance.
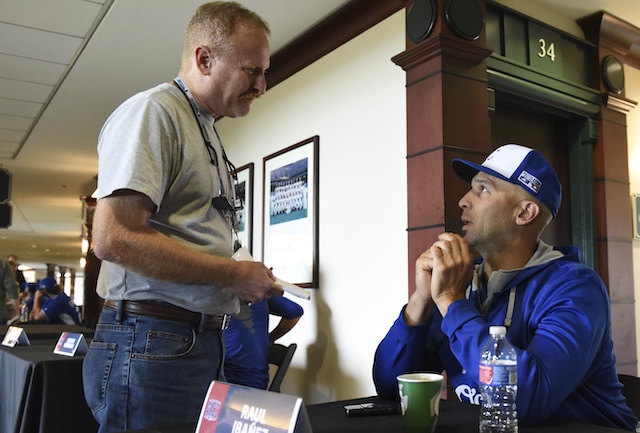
(492, 374)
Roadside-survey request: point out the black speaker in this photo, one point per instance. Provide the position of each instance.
(5, 185)
(465, 18)
(421, 18)
(5, 215)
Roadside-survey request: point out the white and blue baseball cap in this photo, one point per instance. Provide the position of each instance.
(520, 166)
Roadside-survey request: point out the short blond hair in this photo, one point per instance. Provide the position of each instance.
(213, 23)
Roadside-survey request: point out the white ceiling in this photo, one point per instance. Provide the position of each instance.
(66, 64)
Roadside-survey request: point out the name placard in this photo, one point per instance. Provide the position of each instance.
(70, 343)
(238, 409)
(15, 336)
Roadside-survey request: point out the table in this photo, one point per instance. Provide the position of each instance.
(40, 331)
(41, 392)
(454, 417)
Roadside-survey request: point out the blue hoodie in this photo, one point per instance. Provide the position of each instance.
(560, 327)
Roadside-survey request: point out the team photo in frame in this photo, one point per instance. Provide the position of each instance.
(290, 213)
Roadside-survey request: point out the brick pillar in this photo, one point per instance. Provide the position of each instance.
(447, 117)
(614, 232)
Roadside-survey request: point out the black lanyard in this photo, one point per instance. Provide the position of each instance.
(213, 155)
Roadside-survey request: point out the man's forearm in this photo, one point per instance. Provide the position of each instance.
(418, 311)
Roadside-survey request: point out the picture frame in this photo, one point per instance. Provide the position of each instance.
(244, 198)
(290, 213)
(635, 204)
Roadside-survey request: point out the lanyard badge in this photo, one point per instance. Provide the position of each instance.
(227, 206)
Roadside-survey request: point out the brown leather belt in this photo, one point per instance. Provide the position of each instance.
(170, 312)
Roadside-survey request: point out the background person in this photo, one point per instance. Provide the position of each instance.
(8, 293)
(556, 309)
(52, 305)
(13, 261)
(163, 228)
(248, 338)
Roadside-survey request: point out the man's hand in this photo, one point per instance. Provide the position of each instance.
(254, 282)
(420, 306)
(36, 313)
(452, 268)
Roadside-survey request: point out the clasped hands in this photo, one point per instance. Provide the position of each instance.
(443, 273)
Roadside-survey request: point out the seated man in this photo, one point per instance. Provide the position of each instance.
(59, 308)
(247, 339)
(556, 309)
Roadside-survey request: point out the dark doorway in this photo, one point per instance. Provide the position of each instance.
(547, 133)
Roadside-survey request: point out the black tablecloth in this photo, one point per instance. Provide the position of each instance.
(454, 417)
(41, 392)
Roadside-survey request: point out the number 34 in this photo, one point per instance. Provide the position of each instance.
(547, 51)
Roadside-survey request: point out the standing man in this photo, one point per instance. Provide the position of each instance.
(22, 283)
(555, 308)
(163, 227)
(8, 292)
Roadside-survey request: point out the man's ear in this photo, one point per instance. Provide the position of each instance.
(203, 59)
(527, 211)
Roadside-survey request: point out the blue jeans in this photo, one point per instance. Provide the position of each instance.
(141, 372)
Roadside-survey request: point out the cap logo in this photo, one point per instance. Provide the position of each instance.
(530, 181)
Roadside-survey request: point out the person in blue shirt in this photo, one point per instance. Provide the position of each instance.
(555, 308)
(57, 308)
(247, 339)
(28, 295)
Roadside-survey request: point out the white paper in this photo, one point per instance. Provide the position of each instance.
(243, 254)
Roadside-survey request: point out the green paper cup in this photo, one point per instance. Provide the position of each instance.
(420, 400)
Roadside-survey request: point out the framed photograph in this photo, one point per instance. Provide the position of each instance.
(635, 204)
(244, 198)
(290, 213)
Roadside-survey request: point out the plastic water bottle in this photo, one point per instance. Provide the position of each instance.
(24, 313)
(498, 384)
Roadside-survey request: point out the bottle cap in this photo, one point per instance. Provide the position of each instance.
(497, 330)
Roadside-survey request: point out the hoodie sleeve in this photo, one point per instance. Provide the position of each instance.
(404, 349)
(562, 338)
(568, 346)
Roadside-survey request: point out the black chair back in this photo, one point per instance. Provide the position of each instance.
(280, 356)
(631, 391)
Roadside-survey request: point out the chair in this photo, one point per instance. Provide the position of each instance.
(631, 391)
(280, 356)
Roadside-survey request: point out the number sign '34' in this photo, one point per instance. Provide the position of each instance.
(545, 49)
